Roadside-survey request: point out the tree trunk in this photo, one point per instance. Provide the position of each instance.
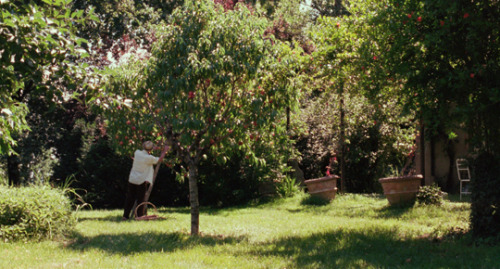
(421, 145)
(13, 170)
(193, 198)
(342, 138)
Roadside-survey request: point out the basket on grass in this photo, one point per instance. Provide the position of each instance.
(147, 217)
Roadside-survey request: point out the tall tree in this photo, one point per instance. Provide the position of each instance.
(446, 56)
(37, 63)
(212, 84)
(39, 46)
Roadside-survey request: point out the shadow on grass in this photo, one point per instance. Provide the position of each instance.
(394, 211)
(107, 219)
(132, 243)
(376, 248)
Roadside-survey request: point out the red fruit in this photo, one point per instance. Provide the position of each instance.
(230, 131)
(419, 19)
(128, 122)
(126, 137)
(466, 15)
(212, 141)
(409, 16)
(472, 75)
(240, 143)
(191, 95)
(375, 57)
(117, 136)
(262, 92)
(442, 23)
(121, 143)
(133, 128)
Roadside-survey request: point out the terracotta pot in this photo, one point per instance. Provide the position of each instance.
(324, 187)
(402, 189)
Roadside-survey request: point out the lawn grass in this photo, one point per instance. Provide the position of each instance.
(353, 231)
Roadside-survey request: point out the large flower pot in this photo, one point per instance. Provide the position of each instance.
(324, 187)
(399, 190)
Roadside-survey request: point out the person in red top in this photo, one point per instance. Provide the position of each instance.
(141, 176)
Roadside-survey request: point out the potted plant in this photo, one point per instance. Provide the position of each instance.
(324, 187)
(403, 187)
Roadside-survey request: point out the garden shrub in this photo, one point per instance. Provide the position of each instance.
(234, 183)
(430, 195)
(225, 185)
(288, 187)
(103, 174)
(485, 196)
(37, 213)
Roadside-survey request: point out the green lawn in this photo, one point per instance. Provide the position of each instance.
(354, 231)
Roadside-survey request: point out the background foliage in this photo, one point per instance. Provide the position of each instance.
(384, 65)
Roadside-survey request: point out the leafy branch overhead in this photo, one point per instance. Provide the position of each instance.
(38, 59)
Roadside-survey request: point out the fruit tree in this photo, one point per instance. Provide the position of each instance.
(214, 84)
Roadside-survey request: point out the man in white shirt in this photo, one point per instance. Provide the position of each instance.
(141, 176)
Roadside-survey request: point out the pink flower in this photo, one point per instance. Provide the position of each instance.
(327, 172)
